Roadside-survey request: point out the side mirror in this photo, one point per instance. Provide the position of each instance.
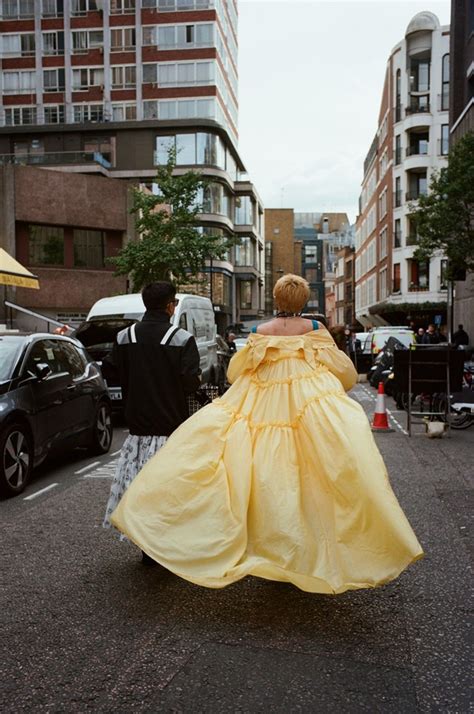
(42, 370)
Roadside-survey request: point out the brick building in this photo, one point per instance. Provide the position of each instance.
(282, 251)
(344, 287)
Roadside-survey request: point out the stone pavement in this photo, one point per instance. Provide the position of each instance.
(85, 627)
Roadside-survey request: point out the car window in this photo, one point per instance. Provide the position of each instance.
(183, 322)
(73, 360)
(46, 352)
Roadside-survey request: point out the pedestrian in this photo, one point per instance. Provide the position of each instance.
(431, 336)
(280, 478)
(419, 336)
(460, 337)
(158, 366)
(230, 340)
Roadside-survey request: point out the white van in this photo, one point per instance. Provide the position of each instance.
(110, 315)
(380, 335)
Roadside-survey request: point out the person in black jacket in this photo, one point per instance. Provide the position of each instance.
(158, 366)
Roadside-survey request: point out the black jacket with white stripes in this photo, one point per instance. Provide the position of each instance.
(158, 366)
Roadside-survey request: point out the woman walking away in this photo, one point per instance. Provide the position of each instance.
(280, 478)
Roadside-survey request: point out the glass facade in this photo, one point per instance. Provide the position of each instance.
(244, 211)
(245, 253)
(201, 149)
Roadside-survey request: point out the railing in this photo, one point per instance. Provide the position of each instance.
(416, 108)
(412, 288)
(412, 239)
(414, 194)
(176, 5)
(397, 198)
(54, 158)
(420, 150)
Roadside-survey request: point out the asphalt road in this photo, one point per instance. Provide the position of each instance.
(85, 627)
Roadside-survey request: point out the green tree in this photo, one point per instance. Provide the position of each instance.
(171, 245)
(444, 218)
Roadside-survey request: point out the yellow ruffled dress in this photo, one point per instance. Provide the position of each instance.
(280, 478)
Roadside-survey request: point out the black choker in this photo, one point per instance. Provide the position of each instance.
(288, 314)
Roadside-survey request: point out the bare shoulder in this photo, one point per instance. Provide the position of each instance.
(289, 327)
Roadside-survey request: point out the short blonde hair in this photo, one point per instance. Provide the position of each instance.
(291, 293)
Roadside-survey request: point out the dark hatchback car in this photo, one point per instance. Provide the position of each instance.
(51, 395)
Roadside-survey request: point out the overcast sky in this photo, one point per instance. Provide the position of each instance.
(310, 81)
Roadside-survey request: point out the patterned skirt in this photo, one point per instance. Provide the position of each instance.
(136, 451)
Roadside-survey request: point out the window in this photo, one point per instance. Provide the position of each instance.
(84, 40)
(19, 82)
(183, 36)
(82, 7)
(52, 8)
(46, 245)
(53, 114)
(123, 77)
(53, 43)
(419, 275)
(87, 77)
(215, 199)
(89, 248)
(73, 359)
(397, 234)
(398, 149)
(311, 275)
(12, 9)
(53, 80)
(122, 39)
(17, 45)
(445, 84)
(444, 140)
(383, 243)
(122, 7)
(398, 192)
(185, 73)
(398, 96)
(245, 295)
(187, 109)
(396, 278)
(210, 150)
(383, 204)
(420, 75)
(124, 112)
(245, 252)
(150, 73)
(244, 211)
(310, 253)
(88, 112)
(383, 283)
(150, 110)
(418, 186)
(16, 116)
(444, 275)
(46, 352)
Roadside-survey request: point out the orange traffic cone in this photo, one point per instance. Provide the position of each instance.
(380, 422)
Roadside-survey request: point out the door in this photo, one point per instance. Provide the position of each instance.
(81, 390)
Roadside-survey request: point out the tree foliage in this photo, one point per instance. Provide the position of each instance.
(171, 246)
(445, 217)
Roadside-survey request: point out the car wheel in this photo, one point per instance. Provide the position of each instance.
(16, 459)
(102, 431)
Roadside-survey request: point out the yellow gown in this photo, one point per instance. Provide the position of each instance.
(280, 478)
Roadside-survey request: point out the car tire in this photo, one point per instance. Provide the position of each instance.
(16, 458)
(102, 430)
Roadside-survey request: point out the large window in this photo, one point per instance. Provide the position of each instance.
(310, 254)
(54, 113)
(215, 198)
(201, 148)
(53, 43)
(21, 9)
(88, 112)
(445, 84)
(122, 7)
(397, 234)
(182, 36)
(122, 39)
(89, 248)
(246, 295)
(398, 96)
(81, 7)
(245, 252)
(185, 74)
(46, 245)
(53, 80)
(187, 109)
(84, 40)
(17, 45)
(16, 116)
(19, 82)
(397, 283)
(87, 77)
(420, 75)
(244, 211)
(123, 77)
(124, 112)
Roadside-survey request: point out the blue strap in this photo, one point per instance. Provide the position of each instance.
(254, 328)
(315, 324)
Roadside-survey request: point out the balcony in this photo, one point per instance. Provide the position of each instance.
(59, 158)
(416, 107)
(414, 194)
(420, 149)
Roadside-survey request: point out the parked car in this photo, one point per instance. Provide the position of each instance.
(51, 394)
(110, 315)
(380, 335)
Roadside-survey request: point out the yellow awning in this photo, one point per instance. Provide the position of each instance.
(12, 273)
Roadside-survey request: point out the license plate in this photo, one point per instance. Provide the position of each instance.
(116, 394)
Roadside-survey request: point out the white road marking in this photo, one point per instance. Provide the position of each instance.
(109, 476)
(116, 452)
(38, 493)
(87, 468)
(105, 471)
